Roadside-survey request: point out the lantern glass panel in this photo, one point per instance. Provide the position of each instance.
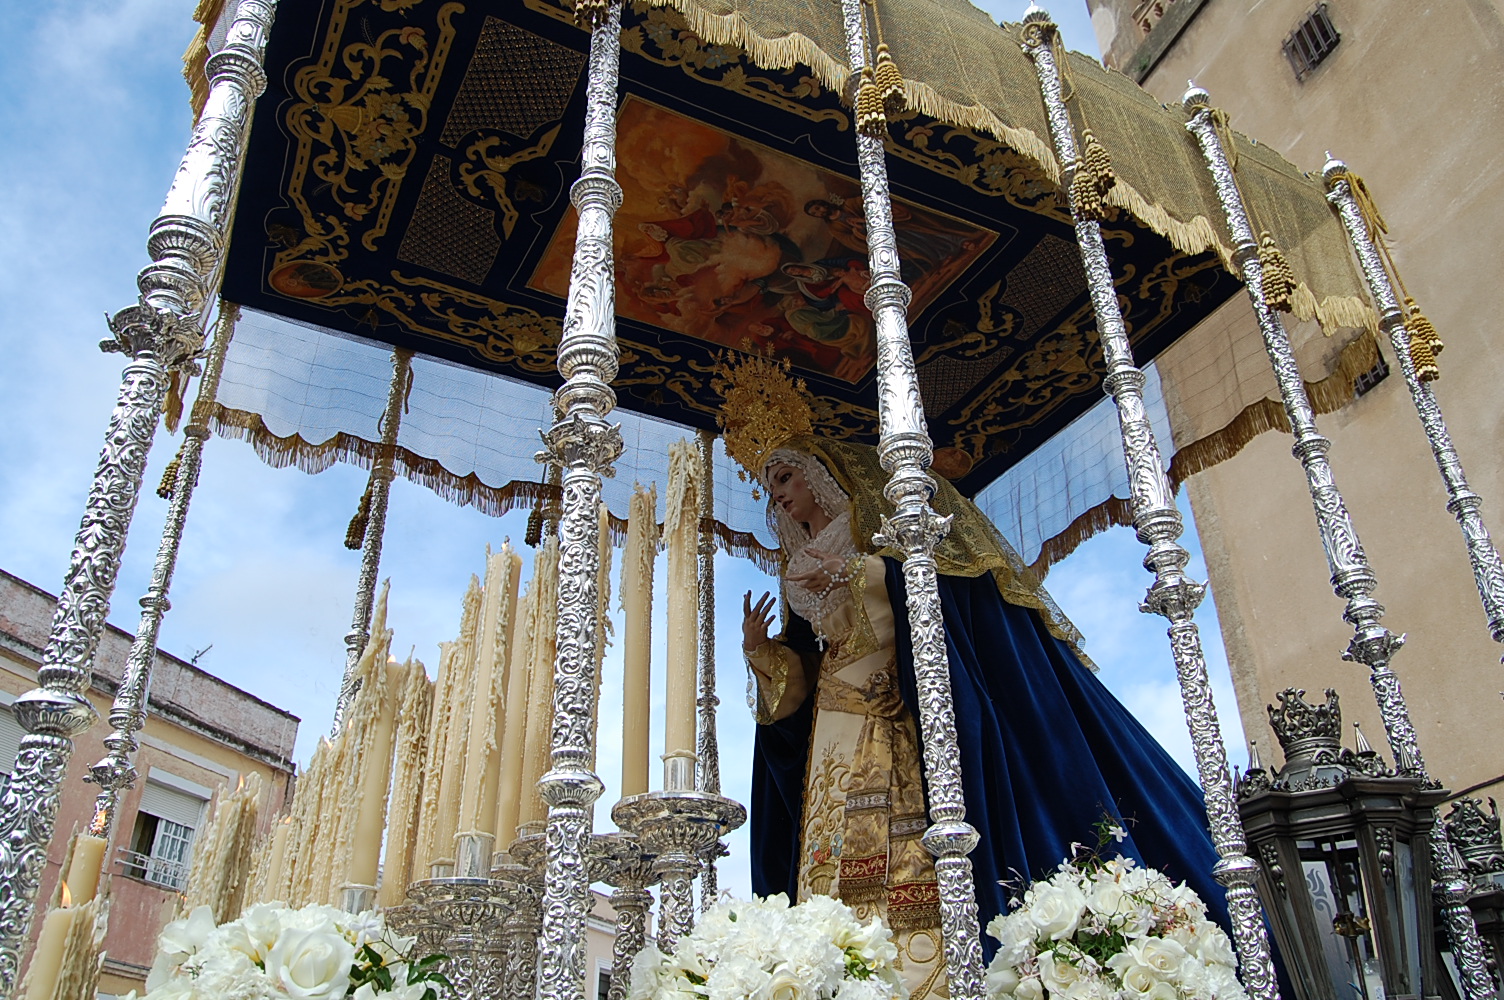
(1333, 878)
(1409, 904)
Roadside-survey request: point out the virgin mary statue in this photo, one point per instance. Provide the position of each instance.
(838, 793)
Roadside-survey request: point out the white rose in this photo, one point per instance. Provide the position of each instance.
(1163, 991)
(253, 934)
(311, 964)
(786, 985)
(1164, 956)
(1029, 989)
(1106, 899)
(1211, 945)
(1058, 974)
(185, 937)
(1056, 910)
(1139, 980)
(1002, 980)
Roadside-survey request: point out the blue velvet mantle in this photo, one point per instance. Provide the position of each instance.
(1046, 751)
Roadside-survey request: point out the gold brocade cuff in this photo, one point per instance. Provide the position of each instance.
(770, 659)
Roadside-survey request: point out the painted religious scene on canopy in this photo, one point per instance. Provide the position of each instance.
(731, 242)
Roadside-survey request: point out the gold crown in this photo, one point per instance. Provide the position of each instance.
(763, 409)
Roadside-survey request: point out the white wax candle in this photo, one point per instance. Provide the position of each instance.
(637, 615)
(681, 532)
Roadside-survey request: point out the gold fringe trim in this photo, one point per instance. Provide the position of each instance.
(1110, 513)
(207, 13)
(463, 491)
(169, 481)
(1328, 395)
(355, 534)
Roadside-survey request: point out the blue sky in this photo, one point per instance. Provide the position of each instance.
(96, 120)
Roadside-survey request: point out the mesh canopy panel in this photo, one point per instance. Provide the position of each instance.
(308, 397)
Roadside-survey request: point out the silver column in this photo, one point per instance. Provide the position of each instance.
(708, 747)
(905, 450)
(1465, 505)
(161, 332)
(1450, 888)
(1352, 577)
(116, 772)
(1157, 521)
(584, 446)
(383, 471)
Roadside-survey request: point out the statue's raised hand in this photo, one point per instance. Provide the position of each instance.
(755, 620)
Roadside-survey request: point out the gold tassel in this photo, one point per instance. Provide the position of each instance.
(1279, 280)
(1423, 358)
(1086, 195)
(870, 118)
(172, 406)
(1094, 157)
(355, 534)
(534, 533)
(170, 476)
(1419, 326)
(889, 82)
(591, 14)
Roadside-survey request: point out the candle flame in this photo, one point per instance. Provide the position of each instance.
(241, 784)
(67, 896)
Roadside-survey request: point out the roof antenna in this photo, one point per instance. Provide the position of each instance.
(193, 661)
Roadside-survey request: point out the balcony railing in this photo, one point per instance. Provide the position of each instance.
(158, 871)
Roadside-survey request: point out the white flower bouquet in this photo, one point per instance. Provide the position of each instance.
(1110, 931)
(768, 950)
(275, 953)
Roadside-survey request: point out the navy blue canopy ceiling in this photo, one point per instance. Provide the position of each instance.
(408, 180)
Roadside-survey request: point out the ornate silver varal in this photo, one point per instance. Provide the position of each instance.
(905, 449)
(677, 826)
(631, 872)
(707, 747)
(1352, 577)
(583, 445)
(116, 771)
(383, 471)
(161, 332)
(1465, 505)
(1157, 521)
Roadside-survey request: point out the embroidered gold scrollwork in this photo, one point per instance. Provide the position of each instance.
(358, 112)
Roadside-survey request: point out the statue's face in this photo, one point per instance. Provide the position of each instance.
(789, 490)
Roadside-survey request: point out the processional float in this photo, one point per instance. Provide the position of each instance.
(487, 253)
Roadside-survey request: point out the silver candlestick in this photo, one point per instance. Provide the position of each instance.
(677, 825)
(462, 918)
(631, 872)
(160, 333)
(1465, 505)
(529, 857)
(1173, 595)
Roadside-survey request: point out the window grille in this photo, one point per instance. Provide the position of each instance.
(1311, 42)
(1378, 373)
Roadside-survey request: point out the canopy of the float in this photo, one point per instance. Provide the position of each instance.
(407, 185)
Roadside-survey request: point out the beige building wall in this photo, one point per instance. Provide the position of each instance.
(1412, 98)
(202, 735)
